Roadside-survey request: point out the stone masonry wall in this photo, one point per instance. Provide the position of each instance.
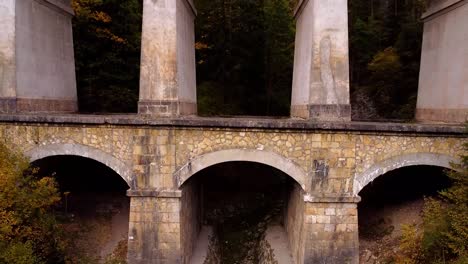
(330, 159)
(189, 219)
(332, 233)
(154, 233)
(294, 223)
(149, 157)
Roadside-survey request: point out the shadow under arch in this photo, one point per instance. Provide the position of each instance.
(248, 155)
(44, 151)
(414, 159)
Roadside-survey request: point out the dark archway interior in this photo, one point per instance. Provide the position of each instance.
(392, 200)
(94, 202)
(404, 184)
(78, 174)
(240, 200)
(248, 185)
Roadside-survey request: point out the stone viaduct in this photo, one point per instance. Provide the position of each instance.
(157, 151)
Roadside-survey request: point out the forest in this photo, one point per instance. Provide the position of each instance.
(245, 53)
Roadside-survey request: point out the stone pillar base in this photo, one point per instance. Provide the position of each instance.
(322, 112)
(24, 105)
(7, 105)
(154, 228)
(442, 115)
(167, 108)
(331, 233)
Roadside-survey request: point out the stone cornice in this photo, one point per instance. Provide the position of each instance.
(158, 193)
(237, 123)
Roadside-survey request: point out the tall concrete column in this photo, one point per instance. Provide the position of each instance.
(443, 79)
(37, 68)
(167, 78)
(7, 56)
(321, 65)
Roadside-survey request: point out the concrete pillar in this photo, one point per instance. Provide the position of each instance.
(321, 65)
(37, 68)
(7, 56)
(167, 78)
(443, 79)
(331, 230)
(154, 235)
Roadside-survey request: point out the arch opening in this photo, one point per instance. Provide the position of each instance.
(415, 159)
(242, 155)
(394, 199)
(239, 204)
(94, 208)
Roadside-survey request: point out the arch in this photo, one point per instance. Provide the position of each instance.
(110, 161)
(415, 159)
(249, 155)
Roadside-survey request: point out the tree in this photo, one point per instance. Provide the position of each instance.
(28, 228)
(107, 36)
(244, 56)
(443, 236)
(375, 30)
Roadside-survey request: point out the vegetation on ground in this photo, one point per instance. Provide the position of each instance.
(33, 230)
(443, 235)
(29, 231)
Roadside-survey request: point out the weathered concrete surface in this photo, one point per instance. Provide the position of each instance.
(36, 57)
(321, 65)
(238, 122)
(167, 76)
(7, 52)
(443, 81)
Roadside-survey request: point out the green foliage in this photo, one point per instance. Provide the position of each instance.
(244, 56)
(457, 210)
(435, 223)
(410, 246)
(443, 237)
(385, 48)
(107, 37)
(28, 229)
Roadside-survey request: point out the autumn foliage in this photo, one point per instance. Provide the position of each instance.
(28, 228)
